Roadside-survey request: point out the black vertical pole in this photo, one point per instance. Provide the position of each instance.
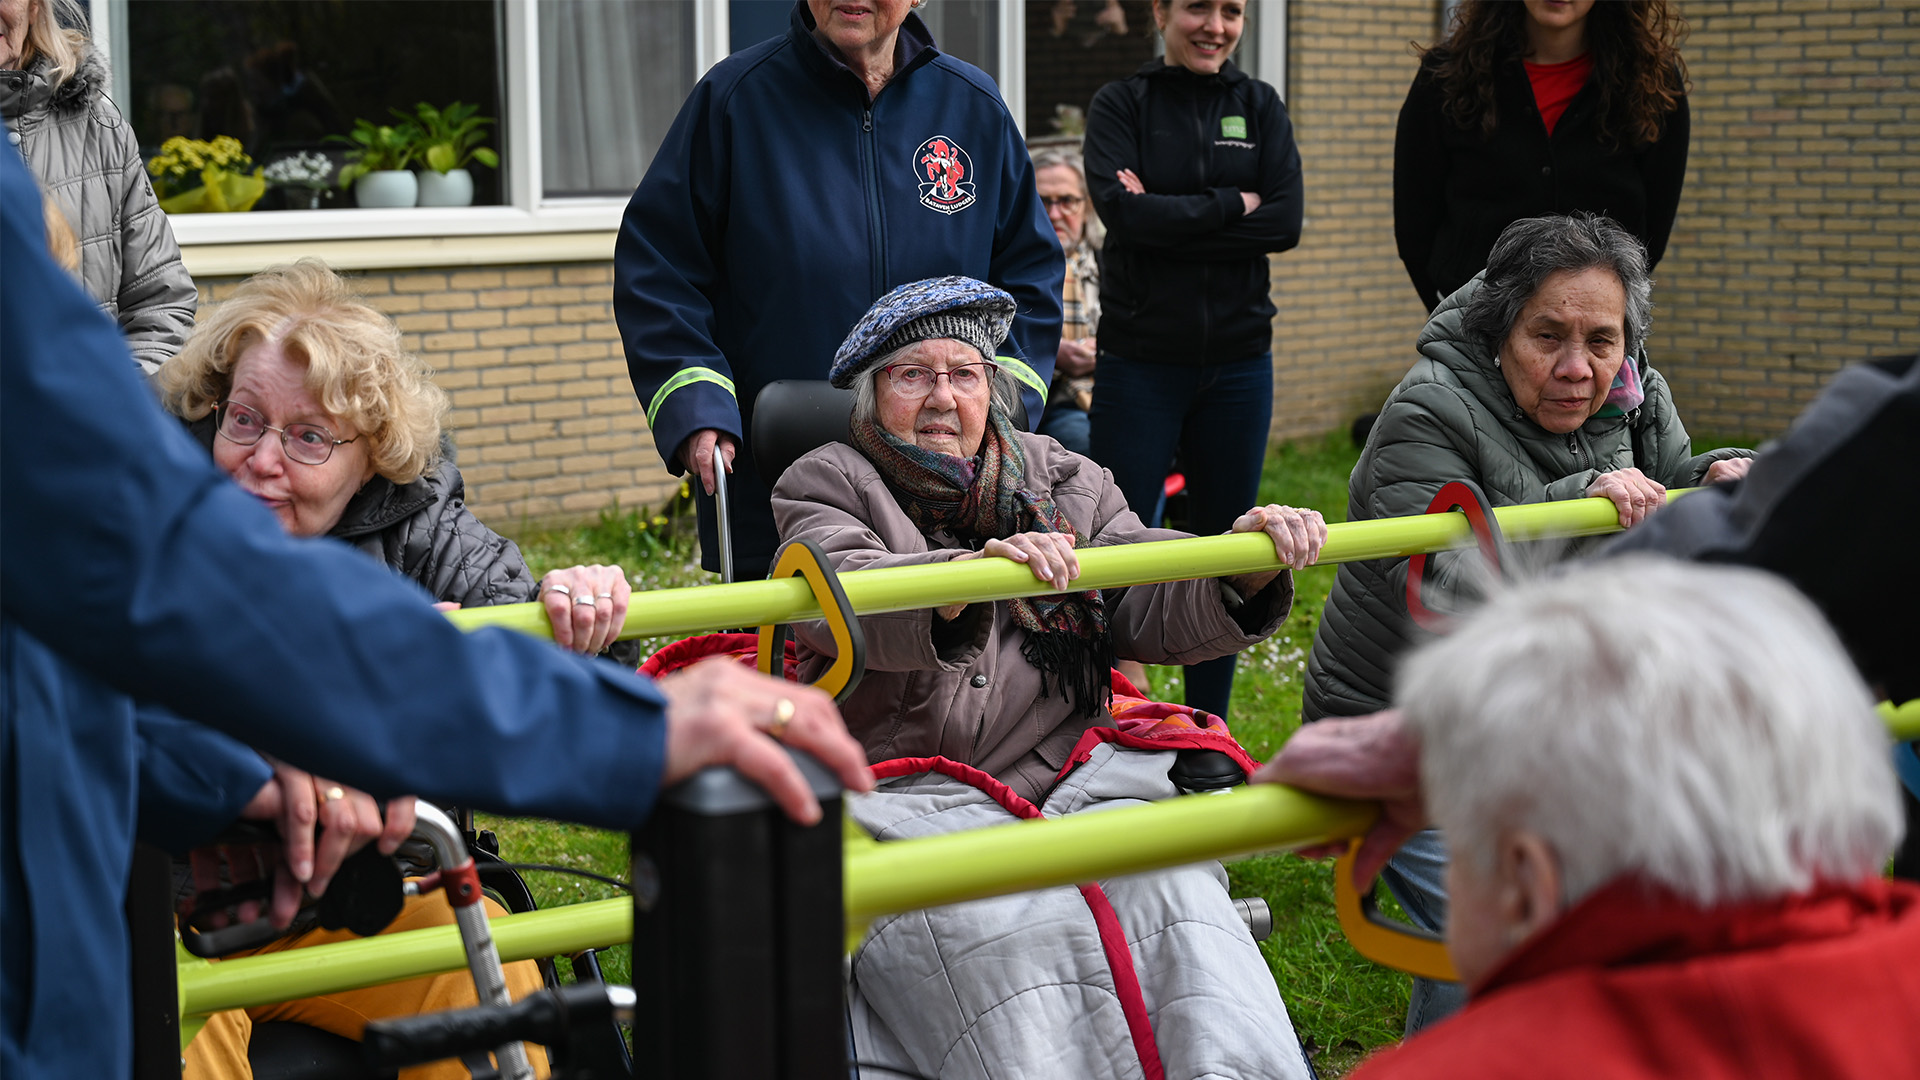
(155, 979)
(737, 950)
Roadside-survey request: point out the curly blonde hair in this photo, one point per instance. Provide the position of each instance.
(356, 366)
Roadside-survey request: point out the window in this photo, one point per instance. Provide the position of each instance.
(292, 76)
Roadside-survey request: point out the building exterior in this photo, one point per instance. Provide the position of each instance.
(1796, 251)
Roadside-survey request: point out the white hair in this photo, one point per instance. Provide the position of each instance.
(1698, 726)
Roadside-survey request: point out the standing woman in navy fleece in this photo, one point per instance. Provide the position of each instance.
(1192, 166)
(1546, 107)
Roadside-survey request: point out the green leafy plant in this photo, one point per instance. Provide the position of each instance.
(451, 137)
(378, 147)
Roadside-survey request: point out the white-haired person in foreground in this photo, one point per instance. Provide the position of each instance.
(1669, 803)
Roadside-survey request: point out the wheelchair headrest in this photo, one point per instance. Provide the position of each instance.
(792, 417)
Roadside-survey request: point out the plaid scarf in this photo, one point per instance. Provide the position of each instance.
(985, 498)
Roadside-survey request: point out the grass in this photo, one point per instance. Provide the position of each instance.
(1342, 1005)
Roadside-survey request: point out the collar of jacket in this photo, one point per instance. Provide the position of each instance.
(25, 91)
(380, 503)
(913, 47)
(1158, 68)
(1630, 922)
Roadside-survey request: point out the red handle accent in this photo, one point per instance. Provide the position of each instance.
(1463, 496)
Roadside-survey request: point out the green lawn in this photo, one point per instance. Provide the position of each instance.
(1343, 1005)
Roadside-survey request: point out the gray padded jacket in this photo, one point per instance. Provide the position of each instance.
(1453, 418)
(86, 157)
(425, 532)
(962, 689)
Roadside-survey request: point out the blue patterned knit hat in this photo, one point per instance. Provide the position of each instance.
(947, 307)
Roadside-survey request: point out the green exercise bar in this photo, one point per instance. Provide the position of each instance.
(247, 981)
(904, 588)
(907, 875)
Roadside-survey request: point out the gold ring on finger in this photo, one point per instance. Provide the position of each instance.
(783, 711)
(333, 794)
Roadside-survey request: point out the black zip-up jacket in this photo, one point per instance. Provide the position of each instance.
(1184, 278)
(1453, 191)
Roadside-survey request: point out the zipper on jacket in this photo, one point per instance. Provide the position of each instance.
(1573, 445)
(1205, 160)
(870, 165)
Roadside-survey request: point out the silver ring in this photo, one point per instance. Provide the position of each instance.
(605, 595)
(587, 600)
(561, 589)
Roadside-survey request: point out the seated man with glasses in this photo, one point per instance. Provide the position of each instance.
(974, 711)
(306, 398)
(1060, 177)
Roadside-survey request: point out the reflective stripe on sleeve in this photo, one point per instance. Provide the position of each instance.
(1019, 370)
(687, 377)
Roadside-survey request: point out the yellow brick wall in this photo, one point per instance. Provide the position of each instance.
(544, 418)
(1797, 247)
(1348, 314)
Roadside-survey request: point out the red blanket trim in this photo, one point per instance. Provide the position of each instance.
(1126, 981)
(1113, 939)
(1185, 740)
(689, 651)
(1010, 800)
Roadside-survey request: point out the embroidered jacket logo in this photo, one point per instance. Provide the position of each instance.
(948, 185)
(1233, 127)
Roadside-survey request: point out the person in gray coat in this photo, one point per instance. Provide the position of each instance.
(988, 702)
(1533, 384)
(53, 93)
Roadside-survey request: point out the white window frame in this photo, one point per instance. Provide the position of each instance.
(528, 210)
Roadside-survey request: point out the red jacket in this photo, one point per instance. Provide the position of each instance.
(1631, 984)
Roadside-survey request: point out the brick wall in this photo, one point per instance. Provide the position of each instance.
(1797, 248)
(1348, 314)
(544, 418)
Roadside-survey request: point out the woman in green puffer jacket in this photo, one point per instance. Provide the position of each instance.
(1533, 384)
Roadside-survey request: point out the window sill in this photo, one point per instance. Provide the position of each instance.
(229, 245)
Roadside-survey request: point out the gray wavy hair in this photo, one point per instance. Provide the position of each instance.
(1698, 726)
(1532, 249)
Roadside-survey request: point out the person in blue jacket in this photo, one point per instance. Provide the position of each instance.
(803, 179)
(134, 577)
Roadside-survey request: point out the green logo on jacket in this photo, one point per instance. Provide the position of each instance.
(1233, 127)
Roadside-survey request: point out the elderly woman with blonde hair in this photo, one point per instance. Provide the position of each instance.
(308, 400)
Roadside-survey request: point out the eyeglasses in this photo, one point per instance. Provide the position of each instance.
(308, 444)
(1062, 202)
(918, 380)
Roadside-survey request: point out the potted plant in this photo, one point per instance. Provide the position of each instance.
(448, 139)
(192, 176)
(302, 176)
(376, 167)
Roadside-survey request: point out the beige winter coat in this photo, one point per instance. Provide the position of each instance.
(961, 689)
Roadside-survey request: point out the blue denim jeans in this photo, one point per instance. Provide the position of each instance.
(1417, 877)
(1068, 426)
(1216, 419)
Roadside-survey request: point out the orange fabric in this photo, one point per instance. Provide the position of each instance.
(347, 1013)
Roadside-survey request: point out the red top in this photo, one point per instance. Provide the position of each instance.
(1554, 85)
(1631, 983)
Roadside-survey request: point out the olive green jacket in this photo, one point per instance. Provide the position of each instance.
(1453, 418)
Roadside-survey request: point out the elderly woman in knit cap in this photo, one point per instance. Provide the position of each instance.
(975, 710)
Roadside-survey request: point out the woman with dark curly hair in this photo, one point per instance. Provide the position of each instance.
(1545, 107)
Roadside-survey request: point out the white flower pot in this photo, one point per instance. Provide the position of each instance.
(387, 187)
(451, 188)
